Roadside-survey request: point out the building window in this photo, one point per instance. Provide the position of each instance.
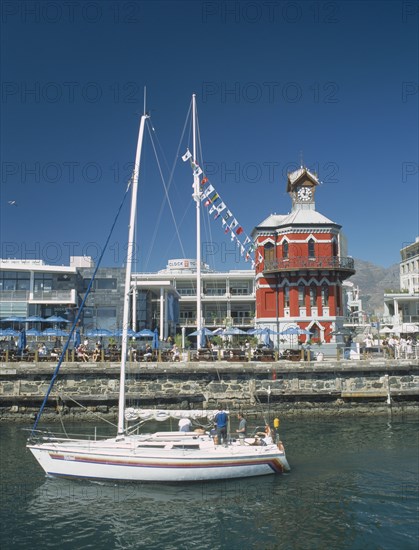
(311, 248)
(315, 333)
(301, 295)
(286, 296)
(105, 284)
(313, 295)
(42, 282)
(239, 288)
(214, 289)
(269, 250)
(325, 295)
(334, 248)
(101, 283)
(186, 291)
(105, 317)
(14, 280)
(285, 250)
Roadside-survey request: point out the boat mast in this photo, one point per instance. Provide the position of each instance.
(129, 262)
(197, 198)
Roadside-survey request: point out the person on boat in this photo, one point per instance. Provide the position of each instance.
(241, 430)
(265, 438)
(268, 438)
(185, 425)
(221, 421)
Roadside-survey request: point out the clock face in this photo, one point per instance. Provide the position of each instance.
(304, 193)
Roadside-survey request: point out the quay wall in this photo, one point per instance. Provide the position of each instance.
(351, 386)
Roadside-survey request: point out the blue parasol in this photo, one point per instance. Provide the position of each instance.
(54, 332)
(21, 343)
(202, 335)
(76, 339)
(145, 333)
(56, 319)
(204, 331)
(118, 333)
(155, 343)
(9, 332)
(233, 331)
(98, 333)
(34, 319)
(33, 332)
(262, 331)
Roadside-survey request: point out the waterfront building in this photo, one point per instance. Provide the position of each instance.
(402, 307)
(30, 287)
(165, 299)
(301, 264)
(168, 298)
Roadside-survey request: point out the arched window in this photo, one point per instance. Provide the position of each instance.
(315, 333)
(285, 249)
(269, 252)
(325, 295)
(311, 248)
(335, 248)
(313, 295)
(301, 295)
(286, 296)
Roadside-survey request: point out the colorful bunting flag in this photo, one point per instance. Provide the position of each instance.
(209, 196)
(187, 155)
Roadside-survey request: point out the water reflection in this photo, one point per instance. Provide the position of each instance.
(353, 484)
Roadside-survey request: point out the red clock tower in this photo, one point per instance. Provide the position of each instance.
(300, 265)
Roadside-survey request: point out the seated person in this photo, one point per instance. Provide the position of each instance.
(266, 437)
(96, 353)
(185, 425)
(148, 354)
(175, 353)
(82, 353)
(42, 350)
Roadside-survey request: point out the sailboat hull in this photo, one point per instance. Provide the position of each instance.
(130, 461)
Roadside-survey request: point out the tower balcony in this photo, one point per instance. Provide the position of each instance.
(345, 266)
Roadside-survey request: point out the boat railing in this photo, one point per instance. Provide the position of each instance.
(44, 436)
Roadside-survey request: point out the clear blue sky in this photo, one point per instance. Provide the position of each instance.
(335, 82)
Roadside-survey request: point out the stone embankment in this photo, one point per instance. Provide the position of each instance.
(362, 386)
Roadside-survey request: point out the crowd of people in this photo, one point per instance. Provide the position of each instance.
(398, 347)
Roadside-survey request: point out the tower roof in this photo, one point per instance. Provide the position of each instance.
(300, 217)
(299, 176)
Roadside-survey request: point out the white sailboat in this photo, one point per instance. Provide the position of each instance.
(161, 456)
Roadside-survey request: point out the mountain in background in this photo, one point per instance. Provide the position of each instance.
(373, 281)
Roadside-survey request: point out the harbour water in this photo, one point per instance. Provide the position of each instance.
(353, 485)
